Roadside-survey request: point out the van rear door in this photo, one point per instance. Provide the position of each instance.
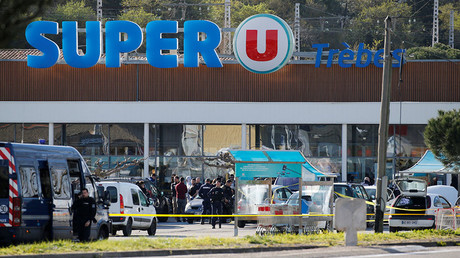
(62, 199)
(4, 192)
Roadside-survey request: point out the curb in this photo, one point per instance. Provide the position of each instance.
(169, 252)
(163, 252)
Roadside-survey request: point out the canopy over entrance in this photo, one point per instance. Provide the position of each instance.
(267, 163)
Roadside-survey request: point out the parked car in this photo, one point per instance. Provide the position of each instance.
(420, 219)
(254, 195)
(448, 192)
(342, 190)
(127, 198)
(372, 192)
(414, 208)
(194, 207)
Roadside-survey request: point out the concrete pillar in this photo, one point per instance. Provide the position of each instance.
(243, 137)
(146, 150)
(344, 152)
(51, 134)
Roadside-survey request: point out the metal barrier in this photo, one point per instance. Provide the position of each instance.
(447, 218)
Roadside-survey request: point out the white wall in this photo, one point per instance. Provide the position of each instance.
(217, 112)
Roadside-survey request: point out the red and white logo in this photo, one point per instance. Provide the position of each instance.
(263, 43)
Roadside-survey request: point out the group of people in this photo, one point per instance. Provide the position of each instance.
(218, 197)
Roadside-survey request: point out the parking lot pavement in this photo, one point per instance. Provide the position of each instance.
(183, 230)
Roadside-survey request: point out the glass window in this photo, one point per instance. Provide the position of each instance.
(9, 132)
(4, 180)
(88, 139)
(29, 182)
(89, 185)
(61, 183)
(135, 196)
(127, 139)
(143, 199)
(217, 137)
(113, 192)
(32, 133)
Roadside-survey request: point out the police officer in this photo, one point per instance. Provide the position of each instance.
(85, 210)
(174, 195)
(228, 197)
(203, 193)
(216, 195)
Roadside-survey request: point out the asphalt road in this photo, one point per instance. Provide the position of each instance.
(183, 230)
(342, 251)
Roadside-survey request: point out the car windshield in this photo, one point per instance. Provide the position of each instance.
(412, 185)
(344, 190)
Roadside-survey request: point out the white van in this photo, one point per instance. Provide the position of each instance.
(127, 198)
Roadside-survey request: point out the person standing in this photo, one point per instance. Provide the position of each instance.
(192, 192)
(181, 191)
(216, 195)
(203, 193)
(173, 195)
(84, 209)
(228, 197)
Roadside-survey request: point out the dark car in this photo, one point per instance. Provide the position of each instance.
(160, 201)
(343, 190)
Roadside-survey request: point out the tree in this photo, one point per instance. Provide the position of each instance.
(442, 136)
(368, 24)
(15, 15)
(72, 11)
(439, 51)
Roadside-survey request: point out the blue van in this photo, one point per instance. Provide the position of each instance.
(38, 185)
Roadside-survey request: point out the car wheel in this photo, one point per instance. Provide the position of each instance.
(114, 232)
(190, 221)
(393, 229)
(103, 233)
(128, 228)
(241, 223)
(152, 230)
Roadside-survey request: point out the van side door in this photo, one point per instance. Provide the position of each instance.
(137, 220)
(62, 199)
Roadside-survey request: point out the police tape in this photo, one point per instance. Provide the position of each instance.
(245, 215)
(389, 207)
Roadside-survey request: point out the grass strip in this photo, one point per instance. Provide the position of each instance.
(154, 243)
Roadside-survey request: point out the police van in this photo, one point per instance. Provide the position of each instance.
(38, 185)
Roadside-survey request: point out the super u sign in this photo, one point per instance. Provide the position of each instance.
(263, 43)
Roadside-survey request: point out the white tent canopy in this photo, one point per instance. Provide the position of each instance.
(429, 164)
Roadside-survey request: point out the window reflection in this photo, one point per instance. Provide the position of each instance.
(29, 182)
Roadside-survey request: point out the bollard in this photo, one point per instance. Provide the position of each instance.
(350, 216)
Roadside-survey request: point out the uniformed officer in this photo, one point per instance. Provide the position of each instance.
(228, 197)
(216, 195)
(203, 193)
(85, 211)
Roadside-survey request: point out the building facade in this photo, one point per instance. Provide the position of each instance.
(179, 119)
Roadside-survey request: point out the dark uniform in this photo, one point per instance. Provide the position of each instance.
(174, 198)
(84, 210)
(228, 199)
(203, 193)
(216, 195)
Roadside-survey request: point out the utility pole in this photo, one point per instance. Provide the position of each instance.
(227, 24)
(297, 28)
(451, 30)
(383, 132)
(435, 38)
(99, 10)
